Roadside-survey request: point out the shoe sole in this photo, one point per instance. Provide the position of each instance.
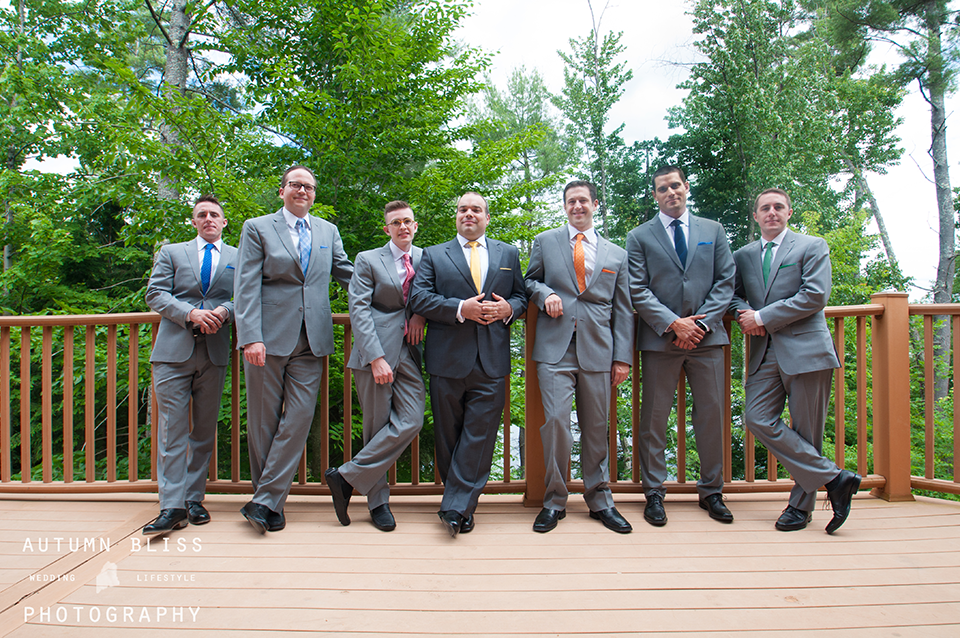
(257, 525)
(656, 522)
(544, 530)
(177, 525)
(200, 522)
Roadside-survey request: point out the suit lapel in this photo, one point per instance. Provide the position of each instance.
(562, 237)
(415, 254)
(221, 265)
(318, 241)
(693, 241)
(455, 254)
(280, 225)
(386, 259)
(782, 252)
(661, 234)
(493, 264)
(192, 255)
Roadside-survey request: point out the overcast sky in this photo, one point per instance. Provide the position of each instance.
(658, 38)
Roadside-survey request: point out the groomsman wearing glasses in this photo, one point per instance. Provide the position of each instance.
(284, 327)
(385, 360)
(191, 287)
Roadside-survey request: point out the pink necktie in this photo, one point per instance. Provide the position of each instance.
(408, 264)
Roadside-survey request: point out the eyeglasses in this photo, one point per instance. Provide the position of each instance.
(397, 223)
(296, 186)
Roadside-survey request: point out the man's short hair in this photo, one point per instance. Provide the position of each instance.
(209, 197)
(581, 183)
(669, 168)
(397, 204)
(778, 191)
(283, 180)
(486, 206)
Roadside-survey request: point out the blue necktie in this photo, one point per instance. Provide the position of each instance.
(304, 245)
(205, 268)
(679, 241)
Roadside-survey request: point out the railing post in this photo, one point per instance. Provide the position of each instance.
(534, 469)
(891, 396)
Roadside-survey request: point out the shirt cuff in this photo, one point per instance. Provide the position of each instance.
(757, 317)
(459, 308)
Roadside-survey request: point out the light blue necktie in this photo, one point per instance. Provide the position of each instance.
(205, 269)
(304, 245)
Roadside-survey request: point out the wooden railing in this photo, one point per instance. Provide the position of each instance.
(98, 381)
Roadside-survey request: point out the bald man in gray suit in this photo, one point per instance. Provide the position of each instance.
(782, 287)
(284, 327)
(681, 283)
(385, 360)
(191, 287)
(584, 346)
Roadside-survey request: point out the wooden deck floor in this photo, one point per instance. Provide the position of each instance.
(892, 570)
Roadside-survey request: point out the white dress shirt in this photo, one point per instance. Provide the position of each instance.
(292, 220)
(589, 243)
(776, 241)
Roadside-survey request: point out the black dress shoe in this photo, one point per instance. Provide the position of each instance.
(547, 519)
(197, 514)
(845, 486)
(169, 519)
(611, 519)
(451, 521)
(257, 515)
(716, 509)
(383, 518)
(341, 492)
(793, 519)
(467, 525)
(276, 521)
(653, 511)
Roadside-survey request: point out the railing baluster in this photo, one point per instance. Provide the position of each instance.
(25, 455)
(956, 384)
(46, 403)
(111, 403)
(154, 412)
(862, 396)
(928, 384)
(612, 432)
(89, 405)
(5, 432)
(234, 408)
(347, 398)
(133, 405)
(68, 404)
(682, 428)
(839, 385)
(325, 418)
(635, 416)
(506, 435)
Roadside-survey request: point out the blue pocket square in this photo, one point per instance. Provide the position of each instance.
(705, 243)
(229, 268)
(324, 246)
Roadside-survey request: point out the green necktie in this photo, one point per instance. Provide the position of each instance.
(767, 259)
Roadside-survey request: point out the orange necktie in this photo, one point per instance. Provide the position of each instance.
(578, 263)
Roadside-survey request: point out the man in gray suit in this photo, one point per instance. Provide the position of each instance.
(782, 285)
(284, 326)
(191, 287)
(584, 342)
(386, 366)
(470, 290)
(681, 283)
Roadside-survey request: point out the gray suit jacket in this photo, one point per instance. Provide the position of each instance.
(174, 290)
(377, 309)
(664, 290)
(601, 314)
(274, 298)
(791, 303)
(443, 280)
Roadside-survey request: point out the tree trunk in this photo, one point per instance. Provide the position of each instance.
(13, 157)
(943, 289)
(864, 192)
(174, 83)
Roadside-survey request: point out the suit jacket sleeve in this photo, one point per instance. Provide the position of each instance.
(537, 290)
(623, 320)
(341, 267)
(517, 298)
(365, 337)
(160, 297)
(815, 281)
(249, 279)
(656, 315)
(739, 302)
(424, 298)
(717, 301)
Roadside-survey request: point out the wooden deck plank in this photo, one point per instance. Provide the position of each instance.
(893, 569)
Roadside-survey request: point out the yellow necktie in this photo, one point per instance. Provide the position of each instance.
(475, 264)
(579, 265)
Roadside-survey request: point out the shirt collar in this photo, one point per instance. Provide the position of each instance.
(776, 240)
(397, 253)
(202, 244)
(590, 234)
(292, 219)
(666, 220)
(482, 240)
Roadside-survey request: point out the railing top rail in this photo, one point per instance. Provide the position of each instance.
(935, 309)
(863, 310)
(115, 319)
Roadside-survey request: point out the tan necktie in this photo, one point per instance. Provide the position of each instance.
(475, 263)
(578, 263)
